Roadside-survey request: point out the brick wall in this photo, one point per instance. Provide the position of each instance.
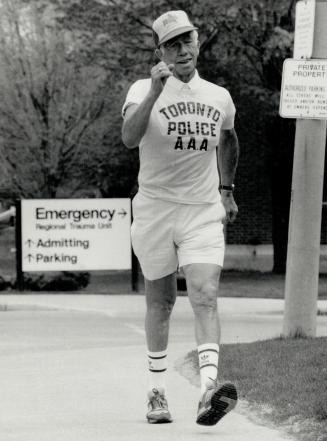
(253, 192)
(252, 187)
(253, 197)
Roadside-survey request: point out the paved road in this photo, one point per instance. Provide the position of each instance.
(78, 372)
(243, 320)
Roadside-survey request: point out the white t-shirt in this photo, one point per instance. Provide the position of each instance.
(178, 158)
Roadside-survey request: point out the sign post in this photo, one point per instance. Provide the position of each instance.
(18, 235)
(305, 99)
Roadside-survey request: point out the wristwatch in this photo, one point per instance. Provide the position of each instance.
(227, 187)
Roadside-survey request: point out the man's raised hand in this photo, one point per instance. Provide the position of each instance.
(159, 74)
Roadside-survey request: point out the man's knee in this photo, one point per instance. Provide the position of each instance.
(161, 295)
(162, 304)
(203, 294)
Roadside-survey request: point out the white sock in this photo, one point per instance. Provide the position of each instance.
(208, 363)
(157, 364)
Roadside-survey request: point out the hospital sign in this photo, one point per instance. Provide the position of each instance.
(75, 234)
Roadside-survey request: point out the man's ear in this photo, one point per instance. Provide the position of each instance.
(158, 53)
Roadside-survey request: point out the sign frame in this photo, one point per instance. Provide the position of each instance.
(68, 234)
(302, 98)
(19, 237)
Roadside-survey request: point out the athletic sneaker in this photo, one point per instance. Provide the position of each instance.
(215, 403)
(158, 407)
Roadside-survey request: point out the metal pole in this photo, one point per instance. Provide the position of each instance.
(19, 258)
(135, 273)
(135, 266)
(302, 271)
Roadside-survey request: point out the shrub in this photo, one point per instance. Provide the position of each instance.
(4, 284)
(64, 281)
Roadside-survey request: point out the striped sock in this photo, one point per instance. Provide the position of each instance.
(157, 364)
(208, 363)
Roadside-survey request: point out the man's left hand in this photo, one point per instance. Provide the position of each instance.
(230, 206)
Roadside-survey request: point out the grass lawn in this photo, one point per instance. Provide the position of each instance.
(283, 381)
(251, 284)
(256, 284)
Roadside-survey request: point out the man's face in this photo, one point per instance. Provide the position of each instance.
(182, 51)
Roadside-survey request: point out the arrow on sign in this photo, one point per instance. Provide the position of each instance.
(29, 257)
(122, 213)
(29, 242)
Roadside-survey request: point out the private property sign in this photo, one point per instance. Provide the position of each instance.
(304, 89)
(75, 234)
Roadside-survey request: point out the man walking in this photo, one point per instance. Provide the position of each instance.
(184, 127)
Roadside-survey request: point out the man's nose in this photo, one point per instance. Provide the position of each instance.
(182, 47)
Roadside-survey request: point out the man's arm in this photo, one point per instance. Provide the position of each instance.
(228, 154)
(137, 116)
(136, 121)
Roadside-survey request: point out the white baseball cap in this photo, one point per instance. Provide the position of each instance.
(170, 24)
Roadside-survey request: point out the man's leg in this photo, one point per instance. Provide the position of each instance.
(160, 299)
(202, 280)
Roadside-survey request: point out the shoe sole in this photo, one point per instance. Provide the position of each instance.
(223, 401)
(160, 419)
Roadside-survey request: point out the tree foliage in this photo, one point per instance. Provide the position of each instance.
(243, 45)
(251, 37)
(51, 108)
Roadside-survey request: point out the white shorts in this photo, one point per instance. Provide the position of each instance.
(166, 235)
